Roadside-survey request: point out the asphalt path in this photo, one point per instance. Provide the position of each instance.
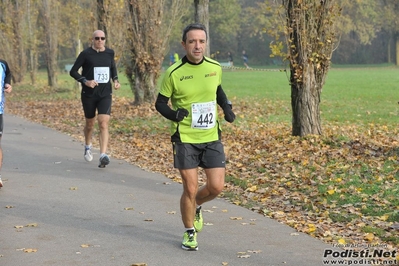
(57, 209)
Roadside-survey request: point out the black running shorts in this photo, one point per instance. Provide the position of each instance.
(205, 155)
(91, 104)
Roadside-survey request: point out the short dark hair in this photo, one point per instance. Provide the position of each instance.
(193, 26)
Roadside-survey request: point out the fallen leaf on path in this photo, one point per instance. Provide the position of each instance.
(255, 251)
(129, 209)
(31, 225)
(30, 250)
(73, 188)
(237, 202)
(9, 207)
(85, 245)
(18, 226)
(236, 218)
(172, 212)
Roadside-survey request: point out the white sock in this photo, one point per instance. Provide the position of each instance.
(192, 229)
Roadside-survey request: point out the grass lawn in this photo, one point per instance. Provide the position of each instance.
(354, 95)
(351, 95)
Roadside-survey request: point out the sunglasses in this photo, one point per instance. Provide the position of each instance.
(98, 38)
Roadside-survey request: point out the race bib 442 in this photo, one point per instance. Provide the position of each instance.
(203, 115)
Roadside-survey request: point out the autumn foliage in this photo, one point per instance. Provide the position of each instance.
(340, 187)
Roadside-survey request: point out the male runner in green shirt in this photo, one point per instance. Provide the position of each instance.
(193, 84)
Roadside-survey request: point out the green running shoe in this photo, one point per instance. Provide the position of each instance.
(198, 220)
(189, 240)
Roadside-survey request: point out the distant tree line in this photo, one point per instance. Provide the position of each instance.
(50, 33)
(316, 33)
(369, 31)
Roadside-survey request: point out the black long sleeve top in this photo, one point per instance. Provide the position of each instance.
(99, 66)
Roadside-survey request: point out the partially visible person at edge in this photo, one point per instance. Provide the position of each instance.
(245, 59)
(171, 59)
(5, 79)
(230, 58)
(98, 69)
(193, 85)
(176, 57)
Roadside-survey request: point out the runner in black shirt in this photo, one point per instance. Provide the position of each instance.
(98, 69)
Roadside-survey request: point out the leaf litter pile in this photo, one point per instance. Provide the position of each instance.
(341, 187)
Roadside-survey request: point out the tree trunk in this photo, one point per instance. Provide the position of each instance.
(49, 12)
(310, 36)
(397, 49)
(32, 51)
(148, 31)
(12, 37)
(305, 102)
(19, 47)
(139, 84)
(101, 17)
(144, 87)
(201, 15)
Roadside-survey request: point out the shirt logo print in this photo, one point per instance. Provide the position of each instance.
(211, 74)
(186, 77)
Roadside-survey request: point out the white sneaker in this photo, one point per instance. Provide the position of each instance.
(104, 160)
(88, 155)
(1, 183)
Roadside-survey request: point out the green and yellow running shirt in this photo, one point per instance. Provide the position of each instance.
(193, 87)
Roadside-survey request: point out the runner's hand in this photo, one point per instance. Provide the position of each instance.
(181, 113)
(7, 88)
(229, 115)
(117, 85)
